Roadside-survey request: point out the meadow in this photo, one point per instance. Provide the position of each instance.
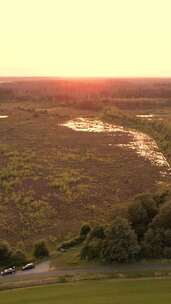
(94, 292)
(54, 179)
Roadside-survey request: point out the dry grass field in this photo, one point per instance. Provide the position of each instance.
(53, 178)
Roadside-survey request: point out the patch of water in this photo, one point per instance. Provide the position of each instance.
(146, 147)
(145, 115)
(150, 116)
(92, 125)
(3, 116)
(141, 143)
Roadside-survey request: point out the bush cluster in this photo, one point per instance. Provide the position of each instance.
(144, 233)
(84, 231)
(17, 256)
(41, 250)
(9, 256)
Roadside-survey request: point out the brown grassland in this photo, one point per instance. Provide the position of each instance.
(53, 179)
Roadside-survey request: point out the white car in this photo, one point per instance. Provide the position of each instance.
(28, 266)
(8, 271)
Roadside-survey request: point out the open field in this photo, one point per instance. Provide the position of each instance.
(101, 292)
(53, 179)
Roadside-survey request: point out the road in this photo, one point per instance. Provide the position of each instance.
(40, 268)
(44, 270)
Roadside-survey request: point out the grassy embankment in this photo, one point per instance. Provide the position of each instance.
(94, 292)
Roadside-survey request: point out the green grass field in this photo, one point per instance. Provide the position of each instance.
(94, 292)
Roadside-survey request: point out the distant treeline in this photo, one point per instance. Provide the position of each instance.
(6, 94)
(76, 91)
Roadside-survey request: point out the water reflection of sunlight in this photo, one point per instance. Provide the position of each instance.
(3, 116)
(141, 143)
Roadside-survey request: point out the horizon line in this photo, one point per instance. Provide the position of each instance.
(85, 77)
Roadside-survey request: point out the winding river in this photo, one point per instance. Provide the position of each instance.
(140, 142)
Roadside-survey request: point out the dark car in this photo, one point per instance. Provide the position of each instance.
(28, 266)
(8, 271)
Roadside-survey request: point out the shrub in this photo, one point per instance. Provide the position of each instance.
(62, 279)
(153, 243)
(91, 250)
(41, 250)
(162, 197)
(71, 243)
(85, 229)
(167, 237)
(167, 252)
(163, 218)
(121, 244)
(18, 257)
(97, 232)
(5, 251)
(141, 213)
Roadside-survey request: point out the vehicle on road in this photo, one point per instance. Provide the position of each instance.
(8, 271)
(28, 266)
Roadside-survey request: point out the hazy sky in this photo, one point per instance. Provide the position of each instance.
(85, 37)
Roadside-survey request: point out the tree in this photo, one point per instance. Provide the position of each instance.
(163, 219)
(91, 250)
(97, 232)
(121, 243)
(41, 250)
(161, 197)
(92, 247)
(141, 213)
(167, 253)
(157, 243)
(85, 229)
(167, 237)
(18, 257)
(157, 239)
(5, 251)
(153, 243)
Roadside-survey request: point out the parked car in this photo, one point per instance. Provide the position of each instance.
(8, 271)
(28, 266)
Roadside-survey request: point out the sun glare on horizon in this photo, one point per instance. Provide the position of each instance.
(85, 38)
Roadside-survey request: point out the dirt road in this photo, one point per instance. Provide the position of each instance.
(44, 269)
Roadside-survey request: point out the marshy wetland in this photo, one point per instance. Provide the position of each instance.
(140, 142)
(54, 176)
